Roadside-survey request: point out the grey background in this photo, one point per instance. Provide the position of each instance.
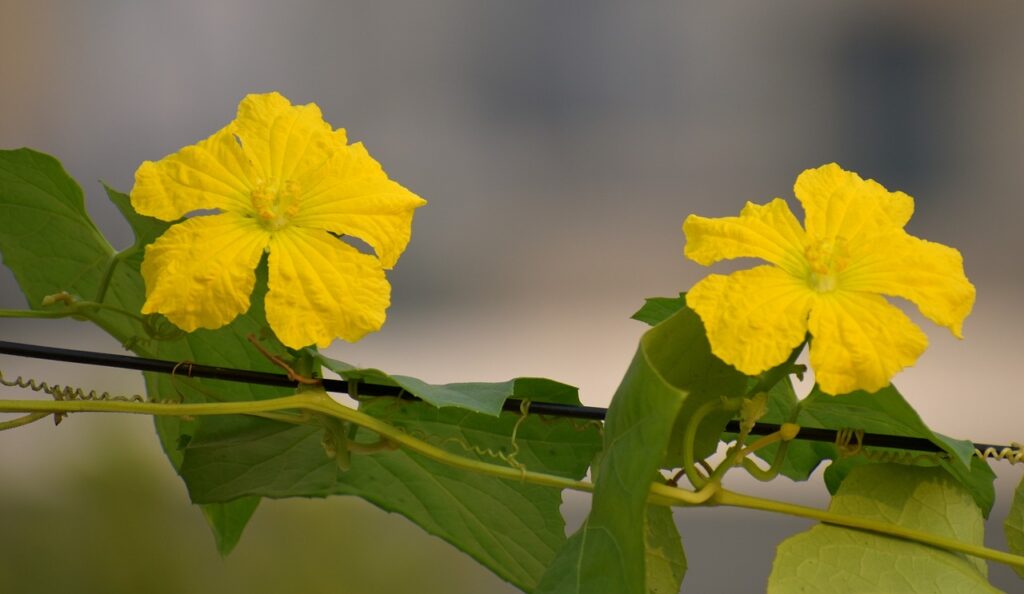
(560, 146)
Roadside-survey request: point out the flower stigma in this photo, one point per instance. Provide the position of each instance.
(275, 203)
(825, 260)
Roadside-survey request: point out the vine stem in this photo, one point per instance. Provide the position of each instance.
(22, 421)
(79, 309)
(733, 499)
(309, 400)
(31, 313)
(318, 401)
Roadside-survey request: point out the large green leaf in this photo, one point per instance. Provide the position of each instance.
(658, 309)
(884, 411)
(227, 347)
(887, 412)
(665, 559)
(228, 520)
(835, 560)
(671, 376)
(51, 245)
(481, 397)
(511, 527)
(46, 237)
(1014, 525)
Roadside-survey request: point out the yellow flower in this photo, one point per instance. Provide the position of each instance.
(828, 279)
(279, 180)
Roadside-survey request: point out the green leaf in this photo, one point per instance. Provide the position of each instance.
(835, 560)
(146, 229)
(884, 411)
(665, 560)
(511, 527)
(1014, 525)
(563, 573)
(225, 347)
(658, 309)
(482, 397)
(46, 237)
(229, 520)
(671, 376)
(51, 245)
(887, 412)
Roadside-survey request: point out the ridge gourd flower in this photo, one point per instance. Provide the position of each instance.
(280, 181)
(826, 278)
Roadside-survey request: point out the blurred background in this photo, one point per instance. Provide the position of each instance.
(560, 146)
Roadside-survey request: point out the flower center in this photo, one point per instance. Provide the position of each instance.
(276, 203)
(825, 260)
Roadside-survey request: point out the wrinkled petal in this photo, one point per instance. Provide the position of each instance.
(353, 196)
(839, 203)
(769, 232)
(212, 174)
(753, 318)
(929, 274)
(859, 342)
(200, 272)
(320, 288)
(284, 141)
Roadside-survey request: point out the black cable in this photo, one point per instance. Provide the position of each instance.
(594, 413)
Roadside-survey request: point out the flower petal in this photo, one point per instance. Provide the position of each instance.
(321, 288)
(753, 318)
(929, 274)
(211, 174)
(353, 196)
(839, 203)
(769, 232)
(200, 272)
(284, 141)
(860, 341)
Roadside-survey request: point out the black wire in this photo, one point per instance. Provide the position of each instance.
(595, 413)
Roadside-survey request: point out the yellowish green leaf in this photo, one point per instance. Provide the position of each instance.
(834, 560)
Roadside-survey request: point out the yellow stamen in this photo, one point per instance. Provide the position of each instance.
(276, 204)
(825, 260)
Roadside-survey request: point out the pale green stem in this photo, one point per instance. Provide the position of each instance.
(725, 497)
(101, 293)
(309, 401)
(151, 408)
(772, 471)
(712, 493)
(690, 437)
(29, 313)
(22, 421)
(320, 402)
(83, 309)
(752, 467)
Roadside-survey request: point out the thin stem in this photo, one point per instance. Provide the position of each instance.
(317, 401)
(666, 495)
(101, 293)
(82, 309)
(22, 421)
(313, 401)
(773, 470)
(763, 442)
(320, 402)
(690, 437)
(730, 498)
(87, 307)
(151, 408)
(31, 313)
